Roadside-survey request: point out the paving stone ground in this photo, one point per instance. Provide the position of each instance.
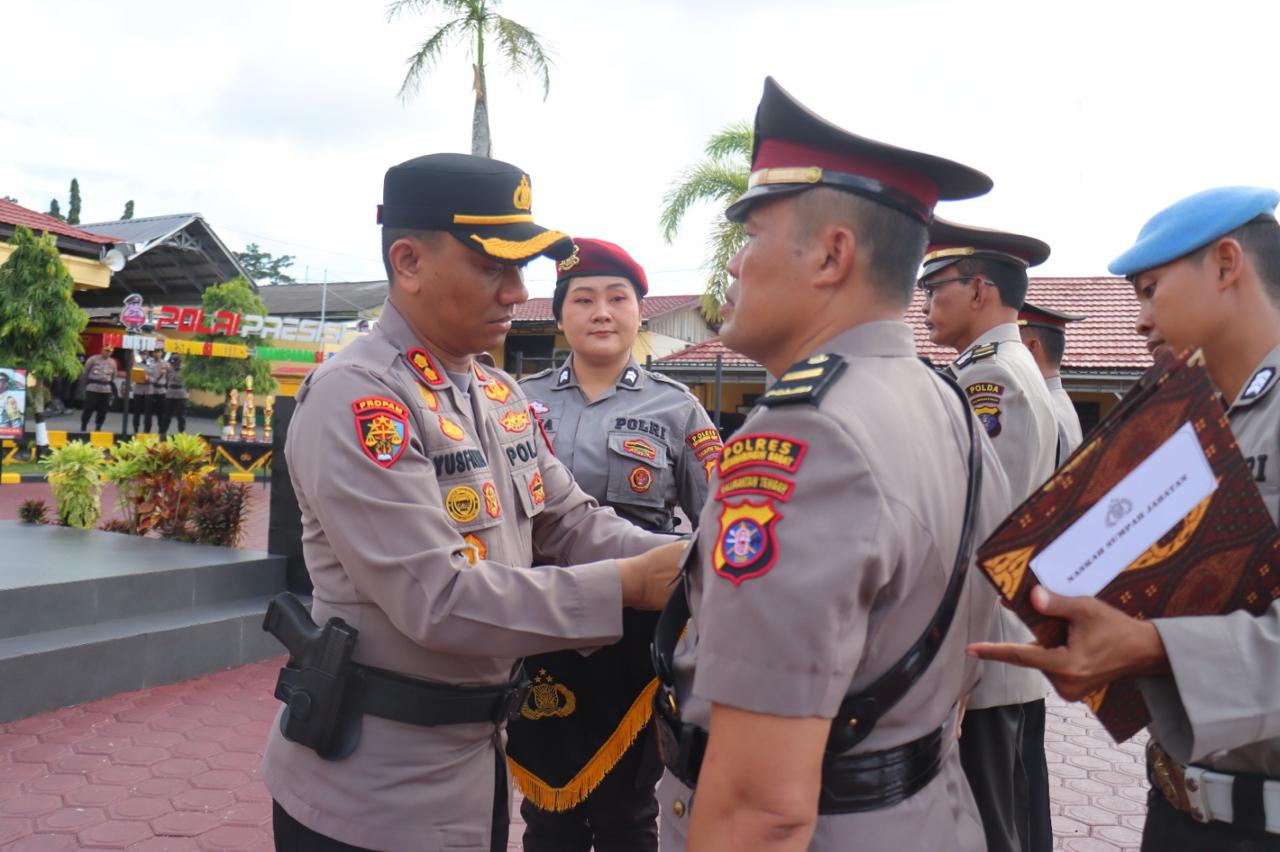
(176, 767)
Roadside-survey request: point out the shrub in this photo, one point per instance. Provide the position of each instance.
(156, 479)
(218, 511)
(116, 525)
(75, 476)
(33, 511)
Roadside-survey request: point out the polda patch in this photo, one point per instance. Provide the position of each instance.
(781, 452)
(985, 399)
(746, 546)
(382, 426)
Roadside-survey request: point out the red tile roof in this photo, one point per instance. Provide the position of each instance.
(14, 214)
(1104, 341)
(539, 310)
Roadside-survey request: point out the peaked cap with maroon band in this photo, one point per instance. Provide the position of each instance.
(950, 242)
(1032, 316)
(796, 150)
(486, 204)
(600, 257)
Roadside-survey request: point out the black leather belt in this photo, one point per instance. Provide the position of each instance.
(852, 783)
(394, 696)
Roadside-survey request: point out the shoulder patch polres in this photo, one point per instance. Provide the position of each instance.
(977, 353)
(805, 381)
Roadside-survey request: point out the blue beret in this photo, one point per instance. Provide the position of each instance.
(1192, 223)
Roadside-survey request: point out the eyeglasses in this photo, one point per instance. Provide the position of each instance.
(930, 286)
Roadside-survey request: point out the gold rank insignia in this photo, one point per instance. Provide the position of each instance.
(497, 391)
(429, 397)
(450, 429)
(383, 427)
(422, 364)
(805, 381)
(548, 699)
(462, 504)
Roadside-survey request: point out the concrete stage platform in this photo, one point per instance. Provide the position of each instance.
(88, 614)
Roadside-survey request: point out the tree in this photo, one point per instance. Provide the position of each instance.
(473, 21)
(40, 325)
(128, 209)
(73, 206)
(220, 375)
(9, 198)
(265, 267)
(721, 178)
(54, 210)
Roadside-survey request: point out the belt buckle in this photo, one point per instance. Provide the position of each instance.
(1170, 778)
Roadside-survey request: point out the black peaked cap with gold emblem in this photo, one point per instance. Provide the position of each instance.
(1034, 316)
(487, 204)
(951, 242)
(796, 149)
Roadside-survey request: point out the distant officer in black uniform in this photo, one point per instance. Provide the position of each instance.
(581, 748)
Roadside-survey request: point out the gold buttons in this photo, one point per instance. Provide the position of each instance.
(677, 808)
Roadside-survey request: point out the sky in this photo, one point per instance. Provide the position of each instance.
(276, 119)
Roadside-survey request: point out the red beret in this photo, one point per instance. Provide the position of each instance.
(598, 257)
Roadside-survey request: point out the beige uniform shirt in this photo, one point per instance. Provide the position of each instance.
(99, 372)
(1009, 396)
(823, 555)
(1221, 708)
(1070, 435)
(424, 506)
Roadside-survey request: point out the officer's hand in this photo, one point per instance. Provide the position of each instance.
(1103, 645)
(648, 579)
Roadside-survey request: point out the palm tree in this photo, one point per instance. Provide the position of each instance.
(474, 20)
(721, 178)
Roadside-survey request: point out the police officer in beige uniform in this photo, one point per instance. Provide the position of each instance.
(1044, 333)
(641, 443)
(974, 281)
(1206, 272)
(99, 375)
(832, 543)
(427, 491)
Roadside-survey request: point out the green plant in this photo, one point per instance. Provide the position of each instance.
(33, 511)
(155, 480)
(75, 476)
(218, 511)
(220, 375)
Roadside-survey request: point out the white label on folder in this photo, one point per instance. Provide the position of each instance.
(1121, 526)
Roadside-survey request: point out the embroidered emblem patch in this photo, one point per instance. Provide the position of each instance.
(542, 428)
(421, 361)
(1258, 383)
(475, 551)
(523, 197)
(429, 397)
(630, 377)
(640, 479)
(640, 448)
(703, 438)
(383, 428)
(757, 484)
(481, 376)
(777, 451)
(497, 391)
(538, 407)
(985, 399)
(491, 504)
(515, 421)
(571, 261)
(746, 546)
(547, 698)
(564, 377)
(536, 489)
(450, 429)
(710, 466)
(462, 504)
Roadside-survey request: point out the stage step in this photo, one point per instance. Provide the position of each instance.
(85, 614)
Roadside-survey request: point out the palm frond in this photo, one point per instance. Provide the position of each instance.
(406, 7)
(525, 53)
(711, 181)
(426, 56)
(734, 141)
(722, 244)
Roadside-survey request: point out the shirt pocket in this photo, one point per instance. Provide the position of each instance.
(638, 471)
(530, 490)
(471, 501)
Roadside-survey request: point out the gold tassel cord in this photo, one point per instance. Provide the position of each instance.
(519, 250)
(556, 799)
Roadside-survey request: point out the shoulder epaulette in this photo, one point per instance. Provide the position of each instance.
(539, 375)
(977, 353)
(665, 379)
(805, 381)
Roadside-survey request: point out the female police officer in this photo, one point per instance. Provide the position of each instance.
(641, 443)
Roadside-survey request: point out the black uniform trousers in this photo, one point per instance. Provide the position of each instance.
(1002, 752)
(143, 407)
(96, 404)
(173, 407)
(620, 815)
(293, 836)
(1170, 830)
